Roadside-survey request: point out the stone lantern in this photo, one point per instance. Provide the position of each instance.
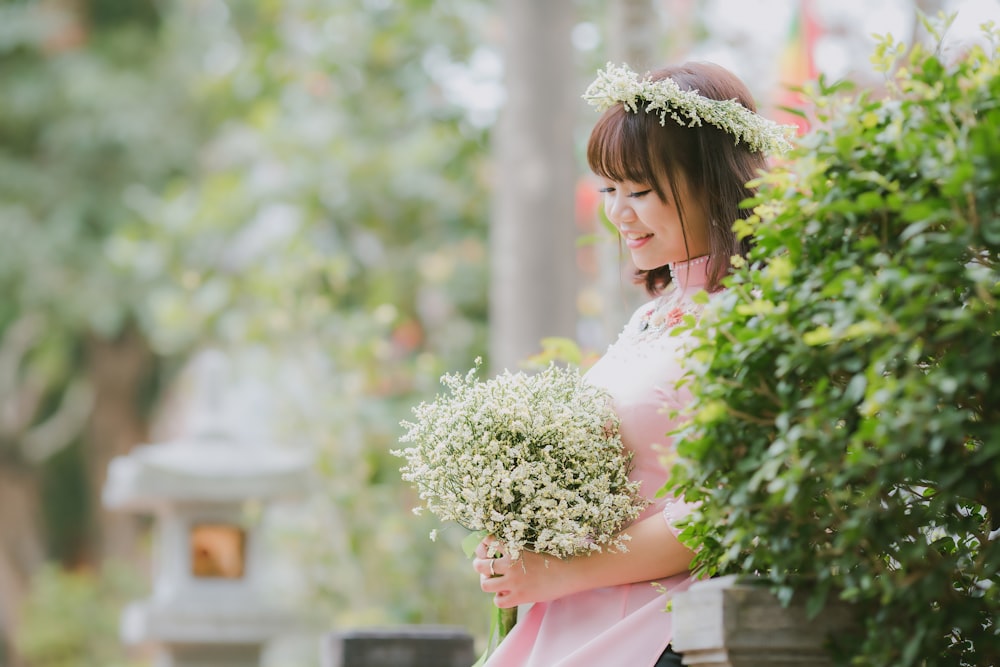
(210, 606)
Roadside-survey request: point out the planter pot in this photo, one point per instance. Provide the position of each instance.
(738, 622)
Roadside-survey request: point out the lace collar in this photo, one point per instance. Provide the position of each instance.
(691, 274)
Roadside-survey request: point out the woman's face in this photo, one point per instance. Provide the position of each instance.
(651, 228)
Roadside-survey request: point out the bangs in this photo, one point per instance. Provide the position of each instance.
(617, 149)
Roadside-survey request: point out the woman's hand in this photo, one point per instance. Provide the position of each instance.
(531, 578)
(653, 553)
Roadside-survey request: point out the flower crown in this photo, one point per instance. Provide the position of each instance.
(620, 85)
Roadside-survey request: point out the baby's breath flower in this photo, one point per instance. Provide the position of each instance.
(535, 460)
(620, 85)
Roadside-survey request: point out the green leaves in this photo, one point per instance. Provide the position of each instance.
(286, 173)
(337, 207)
(70, 619)
(846, 422)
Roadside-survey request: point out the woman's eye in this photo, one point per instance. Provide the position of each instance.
(639, 193)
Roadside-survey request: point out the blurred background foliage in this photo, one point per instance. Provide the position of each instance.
(94, 100)
(71, 617)
(304, 184)
(176, 175)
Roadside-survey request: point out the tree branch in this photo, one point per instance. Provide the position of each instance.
(56, 432)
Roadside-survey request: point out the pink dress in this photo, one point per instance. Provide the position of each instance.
(628, 625)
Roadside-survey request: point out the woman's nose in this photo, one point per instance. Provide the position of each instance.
(618, 210)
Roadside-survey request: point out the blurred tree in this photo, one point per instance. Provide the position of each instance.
(93, 102)
(534, 282)
(337, 215)
(635, 33)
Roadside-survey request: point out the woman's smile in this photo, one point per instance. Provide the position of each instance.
(635, 240)
(652, 228)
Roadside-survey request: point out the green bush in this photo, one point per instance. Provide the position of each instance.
(845, 436)
(70, 619)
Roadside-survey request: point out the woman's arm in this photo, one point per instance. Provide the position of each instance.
(653, 553)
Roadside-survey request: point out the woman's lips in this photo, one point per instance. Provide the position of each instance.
(636, 240)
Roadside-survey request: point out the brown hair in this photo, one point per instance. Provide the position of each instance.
(626, 146)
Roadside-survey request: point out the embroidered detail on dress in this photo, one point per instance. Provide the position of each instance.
(666, 311)
(659, 317)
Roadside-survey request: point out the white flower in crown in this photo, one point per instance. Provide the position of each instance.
(620, 85)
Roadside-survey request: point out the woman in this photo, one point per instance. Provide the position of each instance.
(674, 152)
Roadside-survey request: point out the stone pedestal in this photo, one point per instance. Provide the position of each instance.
(406, 646)
(211, 655)
(732, 622)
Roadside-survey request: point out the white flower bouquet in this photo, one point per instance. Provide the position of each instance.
(532, 459)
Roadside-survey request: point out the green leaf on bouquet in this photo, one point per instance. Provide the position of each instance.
(471, 541)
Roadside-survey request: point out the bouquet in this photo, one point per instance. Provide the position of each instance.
(533, 459)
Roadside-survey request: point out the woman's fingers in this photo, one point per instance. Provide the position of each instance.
(500, 587)
(489, 546)
(491, 567)
(492, 584)
(503, 600)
